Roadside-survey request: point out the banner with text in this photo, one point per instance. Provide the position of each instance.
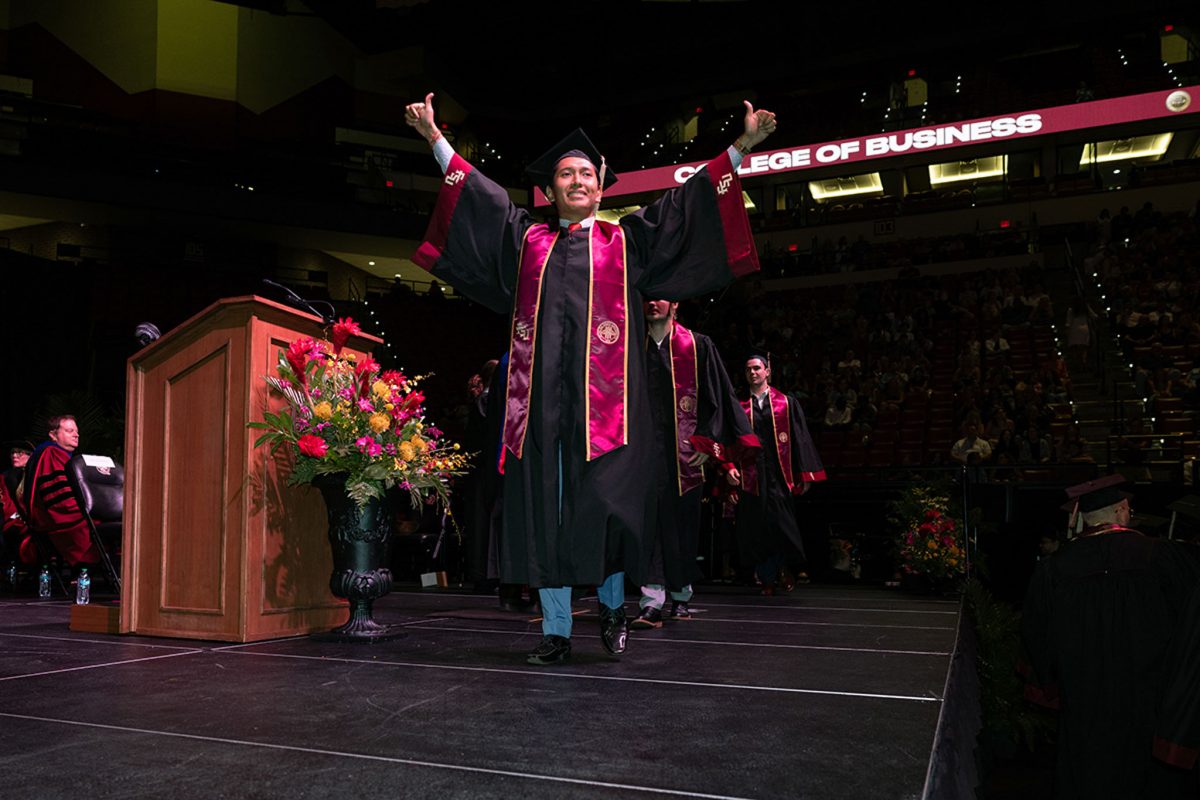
(1008, 127)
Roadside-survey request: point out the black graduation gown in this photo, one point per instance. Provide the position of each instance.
(766, 522)
(569, 521)
(1105, 626)
(719, 417)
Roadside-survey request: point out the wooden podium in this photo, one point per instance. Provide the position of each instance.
(216, 545)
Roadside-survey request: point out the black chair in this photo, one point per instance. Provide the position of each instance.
(100, 491)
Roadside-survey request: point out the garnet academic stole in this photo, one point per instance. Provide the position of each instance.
(684, 371)
(606, 369)
(781, 416)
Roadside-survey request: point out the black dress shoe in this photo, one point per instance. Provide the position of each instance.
(680, 610)
(614, 629)
(650, 617)
(552, 650)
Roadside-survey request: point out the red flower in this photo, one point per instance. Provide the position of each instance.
(313, 446)
(410, 402)
(363, 373)
(343, 329)
(394, 378)
(299, 353)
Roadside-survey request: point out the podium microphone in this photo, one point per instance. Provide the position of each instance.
(300, 302)
(146, 332)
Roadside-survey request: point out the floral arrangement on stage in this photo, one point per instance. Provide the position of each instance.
(347, 415)
(930, 539)
(931, 547)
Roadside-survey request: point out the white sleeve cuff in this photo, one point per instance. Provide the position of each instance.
(735, 156)
(443, 152)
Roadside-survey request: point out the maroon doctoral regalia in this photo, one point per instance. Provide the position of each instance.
(694, 410)
(1110, 624)
(578, 470)
(766, 515)
(12, 527)
(51, 507)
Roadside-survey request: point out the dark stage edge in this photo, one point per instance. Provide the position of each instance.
(828, 692)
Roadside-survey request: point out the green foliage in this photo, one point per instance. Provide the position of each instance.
(1007, 716)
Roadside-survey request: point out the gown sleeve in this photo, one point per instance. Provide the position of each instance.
(695, 238)
(474, 237)
(807, 467)
(722, 427)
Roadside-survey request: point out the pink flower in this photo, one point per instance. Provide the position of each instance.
(365, 405)
(369, 446)
(343, 329)
(313, 446)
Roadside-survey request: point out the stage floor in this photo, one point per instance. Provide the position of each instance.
(828, 692)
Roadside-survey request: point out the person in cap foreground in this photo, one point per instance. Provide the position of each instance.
(1110, 624)
(578, 468)
(787, 466)
(697, 420)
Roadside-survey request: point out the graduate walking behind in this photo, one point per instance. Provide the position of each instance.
(697, 421)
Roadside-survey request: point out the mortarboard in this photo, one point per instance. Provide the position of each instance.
(1095, 495)
(19, 446)
(576, 143)
(763, 356)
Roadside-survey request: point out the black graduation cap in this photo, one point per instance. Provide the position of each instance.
(18, 445)
(763, 356)
(1097, 494)
(541, 170)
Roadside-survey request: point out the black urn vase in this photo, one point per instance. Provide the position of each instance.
(359, 538)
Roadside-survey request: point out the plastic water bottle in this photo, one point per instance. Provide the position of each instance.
(44, 582)
(11, 574)
(83, 588)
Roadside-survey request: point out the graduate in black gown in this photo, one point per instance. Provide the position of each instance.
(1110, 627)
(786, 467)
(578, 472)
(697, 421)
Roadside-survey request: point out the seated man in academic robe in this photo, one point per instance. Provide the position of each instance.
(48, 501)
(13, 528)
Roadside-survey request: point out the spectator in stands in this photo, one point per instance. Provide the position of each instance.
(1007, 449)
(839, 415)
(1122, 225)
(1104, 227)
(996, 344)
(971, 444)
(1073, 448)
(1035, 448)
(997, 424)
(850, 366)
(1079, 330)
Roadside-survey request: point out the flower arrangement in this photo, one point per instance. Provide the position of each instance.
(930, 539)
(931, 547)
(345, 415)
